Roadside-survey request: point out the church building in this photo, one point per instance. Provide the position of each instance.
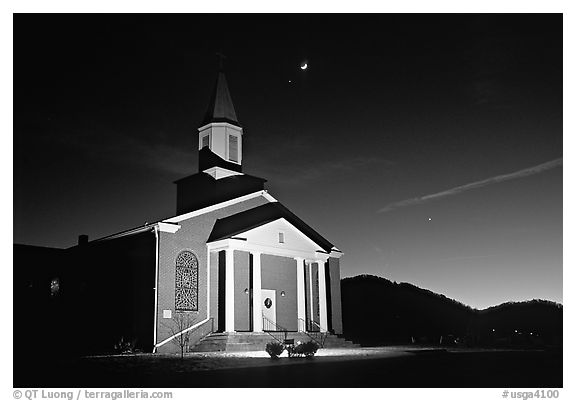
(233, 259)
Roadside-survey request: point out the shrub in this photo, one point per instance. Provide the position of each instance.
(307, 349)
(274, 349)
(125, 347)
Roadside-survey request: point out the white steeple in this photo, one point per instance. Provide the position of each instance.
(220, 133)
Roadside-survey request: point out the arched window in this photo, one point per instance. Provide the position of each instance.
(186, 281)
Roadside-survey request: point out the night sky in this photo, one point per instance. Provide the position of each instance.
(427, 147)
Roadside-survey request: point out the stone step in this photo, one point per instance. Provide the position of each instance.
(234, 342)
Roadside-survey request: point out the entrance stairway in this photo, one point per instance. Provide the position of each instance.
(234, 342)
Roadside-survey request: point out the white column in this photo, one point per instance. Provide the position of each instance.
(322, 296)
(300, 290)
(229, 286)
(256, 292)
(311, 291)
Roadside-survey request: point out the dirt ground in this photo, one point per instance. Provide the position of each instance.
(359, 367)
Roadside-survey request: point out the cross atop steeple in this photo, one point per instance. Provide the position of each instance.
(221, 58)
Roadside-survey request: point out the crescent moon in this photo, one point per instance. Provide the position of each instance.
(303, 67)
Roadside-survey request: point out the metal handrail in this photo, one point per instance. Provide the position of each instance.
(269, 327)
(317, 336)
(320, 328)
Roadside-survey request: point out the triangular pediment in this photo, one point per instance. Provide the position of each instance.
(279, 234)
(243, 222)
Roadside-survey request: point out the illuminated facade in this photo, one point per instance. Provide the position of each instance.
(234, 259)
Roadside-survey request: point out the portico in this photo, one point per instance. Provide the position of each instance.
(294, 268)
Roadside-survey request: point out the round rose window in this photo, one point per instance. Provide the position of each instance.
(268, 303)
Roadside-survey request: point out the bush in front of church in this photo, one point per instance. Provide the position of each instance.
(274, 349)
(307, 349)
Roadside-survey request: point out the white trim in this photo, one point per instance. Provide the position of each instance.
(256, 292)
(335, 253)
(179, 333)
(207, 284)
(168, 228)
(241, 245)
(269, 197)
(157, 265)
(221, 124)
(220, 172)
(311, 287)
(322, 295)
(162, 225)
(208, 209)
(133, 231)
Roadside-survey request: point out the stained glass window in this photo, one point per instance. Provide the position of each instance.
(186, 281)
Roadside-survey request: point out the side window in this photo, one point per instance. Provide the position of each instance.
(186, 296)
(233, 148)
(206, 141)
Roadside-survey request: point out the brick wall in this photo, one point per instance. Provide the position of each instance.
(214, 277)
(335, 296)
(192, 236)
(241, 283)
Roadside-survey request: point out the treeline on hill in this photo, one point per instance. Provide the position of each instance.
(378, 311)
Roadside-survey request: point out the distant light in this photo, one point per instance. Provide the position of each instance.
(289, 81)
(304, 65)
(429, 218)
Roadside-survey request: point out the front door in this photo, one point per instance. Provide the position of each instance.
(269, 310)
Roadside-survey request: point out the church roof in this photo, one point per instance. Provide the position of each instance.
(202, 190)
(240, 222)
(220, 108)
(208, 159)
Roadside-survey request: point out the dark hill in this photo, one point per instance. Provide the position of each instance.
(378, 311)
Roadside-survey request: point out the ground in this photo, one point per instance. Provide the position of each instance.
(361, 367)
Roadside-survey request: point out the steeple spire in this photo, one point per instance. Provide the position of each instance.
(220, 135)
(221, 109)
